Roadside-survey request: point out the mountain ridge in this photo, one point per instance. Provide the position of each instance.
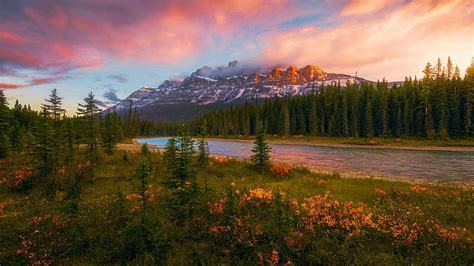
(231, 84)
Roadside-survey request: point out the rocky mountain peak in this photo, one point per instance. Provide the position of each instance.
(236, 82)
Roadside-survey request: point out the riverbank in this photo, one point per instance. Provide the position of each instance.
(460, 145)
(348, 166)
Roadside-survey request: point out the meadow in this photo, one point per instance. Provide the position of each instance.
(235, 213)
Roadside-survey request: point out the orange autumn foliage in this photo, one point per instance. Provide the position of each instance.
(280, 170)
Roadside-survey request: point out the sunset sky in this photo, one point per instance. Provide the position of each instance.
(114, 47)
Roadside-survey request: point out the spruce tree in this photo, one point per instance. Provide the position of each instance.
(45, 146)
(143, 173)
(185, 172)
(313, 118)
(261, 149)
(144, 150)
(53, 109)
(284, 125)
(69, 139)
(203, 153)
(4, 126)
(450, 68)
(170, 156)
(111, 132)
(369, 127)
(89, 113)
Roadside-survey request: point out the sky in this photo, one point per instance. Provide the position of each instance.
(112, 48)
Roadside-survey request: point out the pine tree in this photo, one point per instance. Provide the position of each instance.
(429, 72)
(144, 150)
(4, 125)
(429, 127)
(170, 156)
(53, 110)
(69, 139)
(111, 132)
(457, 73)
(369, 127)
(439, 68)
(284, 125)
(313, 118)
(185, 156)
(143, 173)
(345, 114)
(16, 136)
(89, 112)
(261, 150)
(203, 153)
(443, 131)
(449, 68)
(468, 101)
(45, 146)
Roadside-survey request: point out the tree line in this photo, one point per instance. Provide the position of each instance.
(49, 140)
(437, 106)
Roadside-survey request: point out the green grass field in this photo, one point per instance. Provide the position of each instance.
(245, 216)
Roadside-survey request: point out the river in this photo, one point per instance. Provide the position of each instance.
(444, 166)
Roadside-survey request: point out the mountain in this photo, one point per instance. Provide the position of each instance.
(211, 88)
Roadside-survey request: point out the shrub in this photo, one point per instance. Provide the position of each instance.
(280, 170)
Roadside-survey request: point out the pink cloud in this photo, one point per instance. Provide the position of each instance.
(362, 7)
(163, 32)
(9, 86)
(399, 42)
(10, 36)
(61, 36)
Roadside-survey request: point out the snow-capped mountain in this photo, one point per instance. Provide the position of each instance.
(233, 84)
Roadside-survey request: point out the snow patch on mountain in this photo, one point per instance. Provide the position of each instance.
(236, 83)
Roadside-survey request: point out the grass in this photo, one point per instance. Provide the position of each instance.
(101, 232)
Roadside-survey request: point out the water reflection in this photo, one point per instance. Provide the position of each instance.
(436, 165)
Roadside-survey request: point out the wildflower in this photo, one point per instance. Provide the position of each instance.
(275, 258)
(418, 188)
(218, 207)
(3, 205)
(226, 251)
(261, 193)
(218, 229)
(187, 184)
(134, 196)
(280, 170)
(320, 181)
(380, 191)
(62, 170)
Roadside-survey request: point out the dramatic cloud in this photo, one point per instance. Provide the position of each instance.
(118, 78)
(362, 7)
(102, 104)
(391, 44)
(84, 33)
(111, 96)
(61, 36)
(42, 41)
(7, 86)
(32, 82)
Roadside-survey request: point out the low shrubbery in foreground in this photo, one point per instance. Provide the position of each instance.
(281, 215)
